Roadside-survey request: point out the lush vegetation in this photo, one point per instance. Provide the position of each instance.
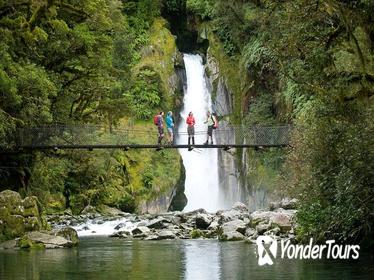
(309, 63)
(102, 62)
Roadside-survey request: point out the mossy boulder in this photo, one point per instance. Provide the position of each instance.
(18, 216)
(69, 234)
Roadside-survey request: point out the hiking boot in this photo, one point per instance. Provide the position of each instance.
(211, 143)
(190, 149)
(205, 143)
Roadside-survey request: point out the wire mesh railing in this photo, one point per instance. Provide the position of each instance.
(89, 135)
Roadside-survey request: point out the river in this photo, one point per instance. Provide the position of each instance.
(111, 258)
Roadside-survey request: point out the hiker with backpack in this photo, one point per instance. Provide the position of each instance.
(212, 124)
(158, 120)
(190, 130)
(170, 126)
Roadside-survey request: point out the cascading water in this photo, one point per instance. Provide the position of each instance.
(202, 183)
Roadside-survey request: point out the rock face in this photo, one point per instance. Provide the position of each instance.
(18, 216)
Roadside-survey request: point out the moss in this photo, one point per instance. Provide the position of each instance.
(196, 233)
(25, 243)
(161, 55)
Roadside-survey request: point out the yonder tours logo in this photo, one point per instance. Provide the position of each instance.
(267, 248)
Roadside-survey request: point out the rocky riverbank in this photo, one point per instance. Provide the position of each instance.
(234, 224)
(23, 225)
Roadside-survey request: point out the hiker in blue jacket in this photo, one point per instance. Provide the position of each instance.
(170, 126)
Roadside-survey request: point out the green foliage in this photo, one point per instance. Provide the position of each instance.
(333, 163)
(97, 62)
(203, 8)
(310, 63)
(127, 204)
(143, 98)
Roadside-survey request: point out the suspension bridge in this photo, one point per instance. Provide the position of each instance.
(99, 137)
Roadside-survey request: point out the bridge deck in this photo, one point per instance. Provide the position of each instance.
(97, 137)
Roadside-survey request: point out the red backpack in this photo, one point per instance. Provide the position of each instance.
(215, 122)
(155, 120)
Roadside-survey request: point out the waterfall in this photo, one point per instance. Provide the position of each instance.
(201, 165)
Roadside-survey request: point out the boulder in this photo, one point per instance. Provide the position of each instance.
(157, 223)
(250, 232)
(140, 231)
(202, 221)
(43, 240)
(261, 228)
(282, 221)
(18, 216)
(288, 203)
(10, 244)
(11, 200)
(240, 207)
(231, 236)
(89, 210)
(213, 225)
(258, 217)
(237, 225)
(165, 234)
(152, 237)
(230, 215)
(69, 234)
(121, 234)
(30, 205)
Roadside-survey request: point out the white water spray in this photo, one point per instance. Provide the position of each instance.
(202, 185)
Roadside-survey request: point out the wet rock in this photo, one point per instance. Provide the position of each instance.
(152, 237)
(10, 244)
(157, 223)
(237, 225)
(121, 234)
(44, 240)
(202, 221)
(119, 226)
(141, 231)
(261, 228)
(69, 234)
(250, 232)
(165, 234)
(214, 225)
(231, 236)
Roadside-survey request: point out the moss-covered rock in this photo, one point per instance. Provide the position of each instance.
(69, 234)
(18, 216)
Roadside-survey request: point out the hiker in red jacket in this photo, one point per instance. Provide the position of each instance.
(190, 130)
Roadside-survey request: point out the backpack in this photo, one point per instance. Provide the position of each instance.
(215, 122)
(155, 119)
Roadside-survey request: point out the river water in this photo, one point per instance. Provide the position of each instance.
(111, 258)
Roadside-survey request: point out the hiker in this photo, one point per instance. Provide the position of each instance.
(190, 130)
(170, 126)
(160, 126)
(211, 122)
